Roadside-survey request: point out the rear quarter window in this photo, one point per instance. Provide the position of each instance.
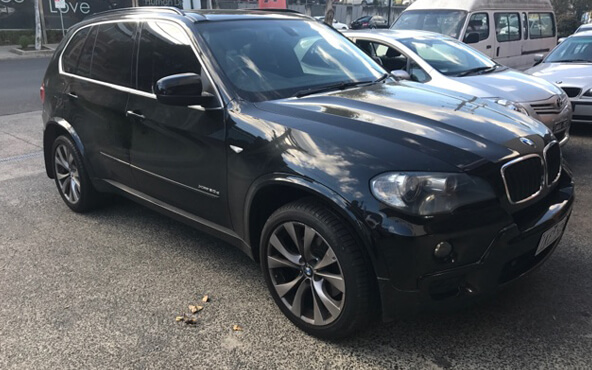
(541, 25)
(73, 51)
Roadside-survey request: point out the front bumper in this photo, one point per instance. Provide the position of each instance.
(509, 255)
(582, 111)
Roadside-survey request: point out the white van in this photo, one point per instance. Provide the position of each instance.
(509, 31)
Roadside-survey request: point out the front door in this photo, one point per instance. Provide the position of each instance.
(178, 153)
(479, 23)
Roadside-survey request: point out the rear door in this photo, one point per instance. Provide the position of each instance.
(97, 91)
(508, 38)
(178, 154)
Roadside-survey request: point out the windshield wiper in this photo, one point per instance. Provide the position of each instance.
(572, 61)
(382, 78)
(337, 86)
(477, 70)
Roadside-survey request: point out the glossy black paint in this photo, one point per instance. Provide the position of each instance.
(184, 162)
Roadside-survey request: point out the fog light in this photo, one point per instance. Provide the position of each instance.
(443, 250)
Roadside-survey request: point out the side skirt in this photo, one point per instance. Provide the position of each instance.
(185, 217)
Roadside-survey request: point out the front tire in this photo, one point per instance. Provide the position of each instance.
(315, 270)
(71, 177)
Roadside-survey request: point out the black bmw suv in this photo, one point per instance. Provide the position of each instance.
(359, 195)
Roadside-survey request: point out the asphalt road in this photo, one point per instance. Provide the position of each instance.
(102, 290)
(21, 79)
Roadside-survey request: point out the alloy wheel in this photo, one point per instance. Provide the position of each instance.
(305, 273)
(67, 174)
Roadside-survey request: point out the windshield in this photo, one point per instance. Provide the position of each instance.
(574, 49)
(275, 59)
(449, 57)
(446, 22)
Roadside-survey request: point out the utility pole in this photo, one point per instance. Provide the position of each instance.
(43, 28)
(37, 25)
(329, 13)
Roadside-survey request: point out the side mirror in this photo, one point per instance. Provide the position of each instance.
(538, 58)
(182, 89)
(400, 74)
(471, 38)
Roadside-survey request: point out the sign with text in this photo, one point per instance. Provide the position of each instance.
(60, 4)
(19, 14)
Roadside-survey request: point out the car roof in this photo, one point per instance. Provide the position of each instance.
(196, 15)
(395, 34)
(475, 5)
(582, 33)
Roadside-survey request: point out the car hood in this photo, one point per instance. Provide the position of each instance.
(564, 74)
(460, 130)
(508, 84)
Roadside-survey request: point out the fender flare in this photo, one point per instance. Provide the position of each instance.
(61, 123)
(339, 204)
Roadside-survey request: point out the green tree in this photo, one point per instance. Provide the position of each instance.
(568, 14)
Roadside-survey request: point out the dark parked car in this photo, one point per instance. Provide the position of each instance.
(359, 196)
(369, 21)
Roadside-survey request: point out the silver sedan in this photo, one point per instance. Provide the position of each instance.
(444, 62)
(570, 66)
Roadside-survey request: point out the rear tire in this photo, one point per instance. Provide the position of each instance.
(71, 177)
(316, 272)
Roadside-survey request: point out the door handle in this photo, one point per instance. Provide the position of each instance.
(488, 47)
(73, 95)
(497, 53)
(136, 114)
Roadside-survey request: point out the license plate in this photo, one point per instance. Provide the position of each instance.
(550, 236)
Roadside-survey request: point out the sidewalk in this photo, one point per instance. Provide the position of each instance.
(6, 53)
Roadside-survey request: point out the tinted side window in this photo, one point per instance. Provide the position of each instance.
(541, 25)
(479, 23)
(112, 57)
(417, 73)
(164, 50)
(87, 53)
(507, 26)
(73, 51)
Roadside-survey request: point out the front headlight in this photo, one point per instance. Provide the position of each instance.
(511, 105)
(423, 193)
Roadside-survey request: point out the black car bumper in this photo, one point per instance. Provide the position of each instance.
(510, 255)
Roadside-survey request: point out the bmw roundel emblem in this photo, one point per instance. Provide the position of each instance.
(526, 141)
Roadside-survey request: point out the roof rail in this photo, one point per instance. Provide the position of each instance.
(273, 10)
(139, 9)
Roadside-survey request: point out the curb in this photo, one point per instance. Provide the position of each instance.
(12, 53)
(33, 53)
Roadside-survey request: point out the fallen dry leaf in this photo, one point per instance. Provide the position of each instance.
(237, 328)
(205, 298)
(179, 318)
(195, 309)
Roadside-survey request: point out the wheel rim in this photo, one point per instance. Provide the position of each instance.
(305, 273)
(67, 174)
